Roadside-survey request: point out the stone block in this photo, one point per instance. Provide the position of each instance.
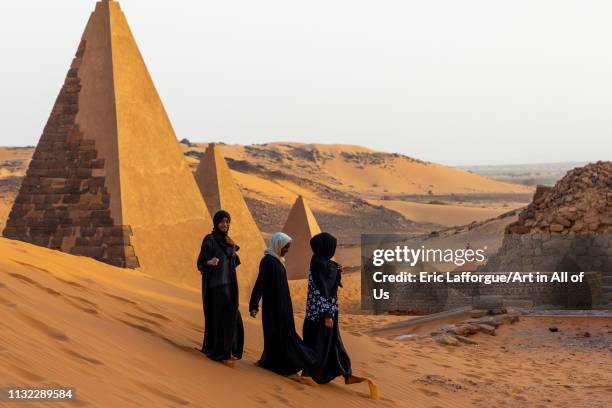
(71, 198)
(115, 251)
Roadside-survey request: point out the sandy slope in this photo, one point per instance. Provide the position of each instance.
(446, 214)
(124, 339)
(5, 208)
(359, 169)
(337, 181)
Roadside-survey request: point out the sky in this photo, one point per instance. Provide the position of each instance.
(470, 82)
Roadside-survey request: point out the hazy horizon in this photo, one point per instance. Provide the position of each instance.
(459, 83)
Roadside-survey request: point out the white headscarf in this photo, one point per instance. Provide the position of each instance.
(278, 242)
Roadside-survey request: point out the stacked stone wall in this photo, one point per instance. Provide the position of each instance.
(63, 202)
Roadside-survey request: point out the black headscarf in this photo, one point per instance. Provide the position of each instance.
(222, 237)
(324, 271)
(218, 217)
(324, 244)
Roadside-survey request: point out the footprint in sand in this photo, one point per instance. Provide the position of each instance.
(429, 393)
(261, 401)
(87, 307)
(277, 395)
(119, 298)
(137, 326)
(143, 319)
(84, 301)
(67, 282)
(157, 316)
(27, 265)
(138, 307)
(82, 357)
(7, 303)
(157, 390)
(30, 281)
(72, 283)
(43, 327)
(26, 375)
(146, 329)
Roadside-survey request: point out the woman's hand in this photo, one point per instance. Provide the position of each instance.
(213, 262)
(329, 323)
(253, 313)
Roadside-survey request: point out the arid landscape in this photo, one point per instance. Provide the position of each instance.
(125, 317)
(350, 189)
(102, 221)
(136, 335)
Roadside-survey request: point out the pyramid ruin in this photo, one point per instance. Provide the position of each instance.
(568, 228)
(220, 192)
(301, 225)
(581, 202)
(108, 179)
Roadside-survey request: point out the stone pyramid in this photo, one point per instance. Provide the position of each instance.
(220, 192)
(301, 225)
(108, 179)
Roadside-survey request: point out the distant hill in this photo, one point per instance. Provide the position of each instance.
(526, 174)
(351, 189)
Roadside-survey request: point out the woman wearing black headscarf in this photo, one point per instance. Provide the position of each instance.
(321, 331)
(223, 329)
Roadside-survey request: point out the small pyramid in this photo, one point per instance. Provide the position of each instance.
(108, 179)
(301, 225)
(220, 192)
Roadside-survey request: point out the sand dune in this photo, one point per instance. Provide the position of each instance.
(126, 339)
(447, 214)
(369, 171)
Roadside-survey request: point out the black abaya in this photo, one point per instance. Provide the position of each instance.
(323, 281)
(284, 351)
(223, 328)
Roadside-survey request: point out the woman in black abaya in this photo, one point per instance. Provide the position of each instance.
(284, 351)
(321, 331)
(223, 329)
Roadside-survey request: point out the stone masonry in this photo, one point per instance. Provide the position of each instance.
(565, 228)
(63, 203)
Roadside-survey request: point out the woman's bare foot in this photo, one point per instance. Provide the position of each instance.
(374, 391)
(351, 379)
(302, 379)
(229, 362)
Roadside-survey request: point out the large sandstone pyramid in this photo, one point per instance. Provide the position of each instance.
(221, 192)
(301, 225)
(108, 179)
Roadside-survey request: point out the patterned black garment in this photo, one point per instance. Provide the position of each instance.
(317, 305)
(324, 279)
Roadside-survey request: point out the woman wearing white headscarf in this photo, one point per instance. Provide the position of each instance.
(284, 351)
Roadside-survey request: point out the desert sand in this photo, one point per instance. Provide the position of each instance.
(335, 179)
(122, 338)
(353, 168)
(276, 173)
(447, 214)
(5, 208)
